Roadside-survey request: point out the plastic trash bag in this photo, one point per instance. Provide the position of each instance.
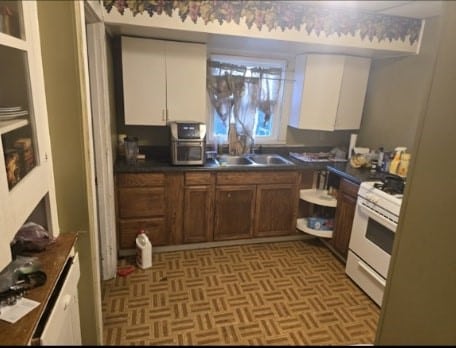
(31, 237)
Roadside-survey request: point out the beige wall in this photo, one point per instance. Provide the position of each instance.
(65, 111)
(419, 306)
(396, 94)
(297, 136)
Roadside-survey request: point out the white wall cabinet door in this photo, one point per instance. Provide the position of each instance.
(144, 81)
(186, 81)
(329, 92)
(163, 81)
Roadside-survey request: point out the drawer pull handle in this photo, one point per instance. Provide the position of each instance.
(372, 274)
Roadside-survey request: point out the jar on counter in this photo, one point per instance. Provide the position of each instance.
(373, 165)
(13, 167)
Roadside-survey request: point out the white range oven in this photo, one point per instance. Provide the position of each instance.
(372, 236)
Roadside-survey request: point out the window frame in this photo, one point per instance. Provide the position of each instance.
(279, 120)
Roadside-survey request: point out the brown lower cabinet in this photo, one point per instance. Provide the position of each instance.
(255, 204)
(196, 207)
(345, 212)
(141, 204)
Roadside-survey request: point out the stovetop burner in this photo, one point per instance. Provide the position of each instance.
(388, 189)
(391, 184)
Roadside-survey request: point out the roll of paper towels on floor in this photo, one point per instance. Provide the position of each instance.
(352, 144)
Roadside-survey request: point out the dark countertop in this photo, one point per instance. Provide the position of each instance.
(342, 169)
(144, 166)
(158, 159)
(356, 175)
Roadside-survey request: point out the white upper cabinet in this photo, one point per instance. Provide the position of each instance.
(329, 92)
(27, 191)
(163, 81)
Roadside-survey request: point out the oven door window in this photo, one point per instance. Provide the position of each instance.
(189, 152)
(380, 236)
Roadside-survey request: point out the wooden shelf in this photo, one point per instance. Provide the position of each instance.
(10, 125)
(319, 197)
(301, 224)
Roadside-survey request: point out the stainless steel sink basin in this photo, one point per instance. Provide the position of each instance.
(227, 160)
(253, 160)
(270, 160)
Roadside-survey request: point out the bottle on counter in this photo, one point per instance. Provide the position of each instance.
(393, 167)
(380, 159)
(386, 162)
(403, 165)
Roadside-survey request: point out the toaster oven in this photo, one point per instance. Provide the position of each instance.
(188, 143)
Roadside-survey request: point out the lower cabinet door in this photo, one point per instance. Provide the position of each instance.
(234, 210)
(276, 210)
(198, 214)
(345, 213)
(63, 326)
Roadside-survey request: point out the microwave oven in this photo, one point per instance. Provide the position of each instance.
(188, 143)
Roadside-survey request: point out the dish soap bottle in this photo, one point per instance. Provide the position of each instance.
(395, 163)
(143, 250)
(403, 165)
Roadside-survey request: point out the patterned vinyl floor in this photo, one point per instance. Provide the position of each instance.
(286, 293)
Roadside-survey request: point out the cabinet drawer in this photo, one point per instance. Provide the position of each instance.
(348, 187)
(141, 180)
(141, 202)
(253, 178)
(154, 228)
(199, 178)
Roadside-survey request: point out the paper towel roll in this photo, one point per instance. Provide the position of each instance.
(352, 144)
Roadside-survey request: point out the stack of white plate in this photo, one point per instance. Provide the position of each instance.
(11, 112)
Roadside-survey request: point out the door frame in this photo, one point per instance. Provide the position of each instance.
(103, 145)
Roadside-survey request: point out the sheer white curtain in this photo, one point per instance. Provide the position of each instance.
(237, 93)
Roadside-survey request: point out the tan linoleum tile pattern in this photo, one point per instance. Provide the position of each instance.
(287, 293)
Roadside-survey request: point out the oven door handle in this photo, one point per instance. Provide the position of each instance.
(377, 217)
(376, 277)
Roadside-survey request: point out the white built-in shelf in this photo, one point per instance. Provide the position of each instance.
(10, 125)
(320, 197)
(301, 224)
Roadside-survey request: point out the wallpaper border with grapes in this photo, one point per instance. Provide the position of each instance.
(283, 15)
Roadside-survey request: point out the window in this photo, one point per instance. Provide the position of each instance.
(245, 93)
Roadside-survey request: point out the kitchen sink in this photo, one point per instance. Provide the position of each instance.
(253, 160)
(228, 160)
(270, 160)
